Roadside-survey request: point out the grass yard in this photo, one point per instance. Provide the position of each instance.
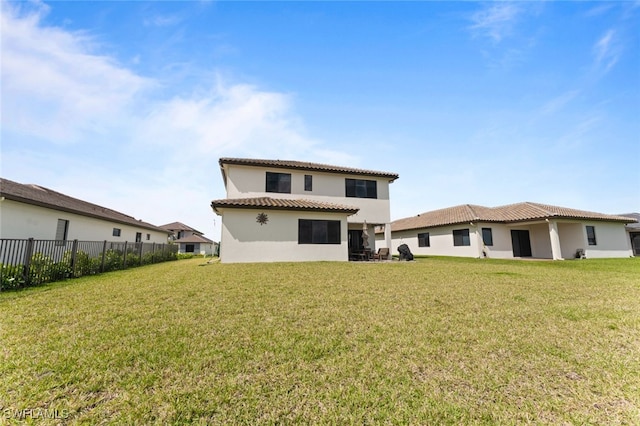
(436, 341)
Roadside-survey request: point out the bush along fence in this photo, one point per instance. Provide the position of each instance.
(25, 263)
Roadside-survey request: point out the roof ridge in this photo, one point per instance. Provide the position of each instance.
(475, 214)
(540, 207)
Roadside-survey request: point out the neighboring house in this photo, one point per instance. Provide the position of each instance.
(32, 211)
(513, 231)
(633, 229)
(279, 210)
(190, 240)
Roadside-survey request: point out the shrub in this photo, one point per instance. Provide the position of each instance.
(11, 277)
(132, 260)
(112, 260)
(85, 264)
(43, 269)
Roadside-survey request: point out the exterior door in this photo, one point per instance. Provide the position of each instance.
(635, 243)
(355, 240)
(521, 243)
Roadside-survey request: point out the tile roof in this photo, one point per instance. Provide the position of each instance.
(179, 226)
(300, 165)
(636, 225)
(193, 239)
(511, 213)
(281, 204)
(45, 197)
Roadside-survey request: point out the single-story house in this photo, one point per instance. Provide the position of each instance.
(33, 211)
(522, 230)
(190, 240)
(633, 229)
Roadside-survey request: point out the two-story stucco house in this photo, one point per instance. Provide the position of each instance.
(33, 211)
(522, 230)
(190, 240)
(279, 210)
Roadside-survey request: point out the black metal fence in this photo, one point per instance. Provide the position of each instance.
(25, 263)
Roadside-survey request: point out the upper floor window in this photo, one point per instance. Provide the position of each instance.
(138, 237)
(591, 235)
(308, 183)
(116, 232)
(148, 237)
(461, 237)
(279, 182)
(360, 188)
(423, 240)
(487, 236)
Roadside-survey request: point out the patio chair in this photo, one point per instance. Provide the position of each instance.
(382, 254)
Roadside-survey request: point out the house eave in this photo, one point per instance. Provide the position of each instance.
(81, 213)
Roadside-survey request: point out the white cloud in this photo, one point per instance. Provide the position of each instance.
(158, 155)
(57, 88)
(162, 21)
(495, 21)
(558, 103)
(228, 117)
(606, 51)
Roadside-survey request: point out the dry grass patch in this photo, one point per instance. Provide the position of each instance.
(437, 341)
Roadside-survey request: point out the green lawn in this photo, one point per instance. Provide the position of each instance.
(436, 341)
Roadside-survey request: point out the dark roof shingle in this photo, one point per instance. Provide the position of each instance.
(45, 197)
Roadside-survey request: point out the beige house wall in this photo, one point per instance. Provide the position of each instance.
(22, 221)
(243, 239)
(611, 238)
(249, 182)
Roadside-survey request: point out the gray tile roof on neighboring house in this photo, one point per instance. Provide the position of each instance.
(281, 204)
(44, 197)
(520, 212)
(300, 165)
(193, 239)
(633, 226)
(179, 226)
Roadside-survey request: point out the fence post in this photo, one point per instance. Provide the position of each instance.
(153, 253)
(28, 253)
(140, 253)
(104, 254)
(124, 256)
(74, 251)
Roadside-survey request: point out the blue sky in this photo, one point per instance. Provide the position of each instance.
(130, 104)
